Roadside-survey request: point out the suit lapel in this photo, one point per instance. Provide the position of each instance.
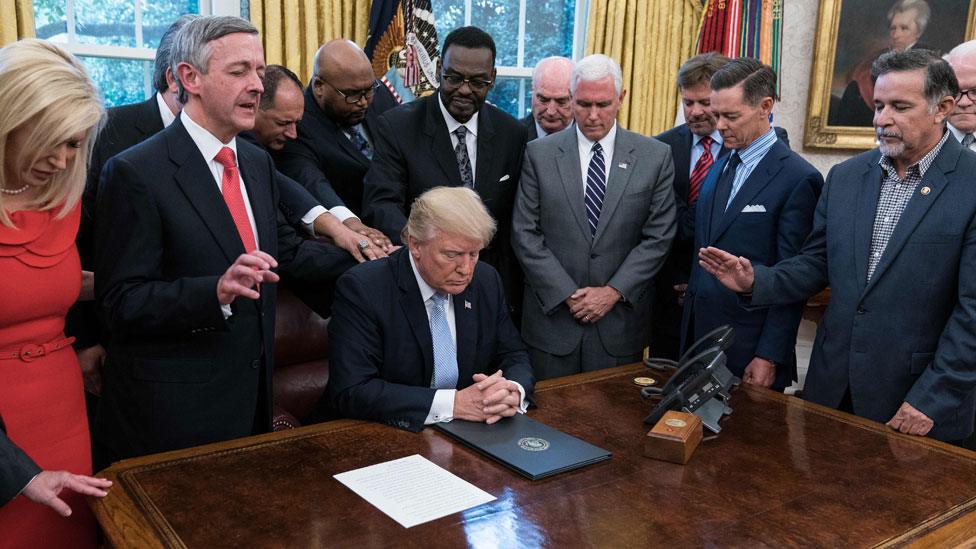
(440, 141)
(197, 183)
(415, 311)
(618, 178)
(918, 205)
(867, 205)
(259, 195)
(466, 323)
(486, 153)
(568, 164)
(759, 179)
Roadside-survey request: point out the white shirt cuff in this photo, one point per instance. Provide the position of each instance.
(33, 478)
(225, 309)
(442, 409)
(342, 212)
(308, 221)
(523, 406)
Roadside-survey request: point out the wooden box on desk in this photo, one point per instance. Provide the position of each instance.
(674, 438)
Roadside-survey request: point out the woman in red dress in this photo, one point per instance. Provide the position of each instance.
(49, 115)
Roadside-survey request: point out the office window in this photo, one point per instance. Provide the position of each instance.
(117, 39)
(524, 31)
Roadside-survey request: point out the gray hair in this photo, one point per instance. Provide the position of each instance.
(450, 210)
(551, 65)
(596, 67)
(164, 50)
(192, 43)
(940, 80)
(922, 12)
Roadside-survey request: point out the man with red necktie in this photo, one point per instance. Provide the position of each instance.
(189, 244)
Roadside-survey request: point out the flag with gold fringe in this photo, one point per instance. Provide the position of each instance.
(743, 28)
(402, 46)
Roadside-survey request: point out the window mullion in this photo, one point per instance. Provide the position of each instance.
(520, 55)
(138, 22)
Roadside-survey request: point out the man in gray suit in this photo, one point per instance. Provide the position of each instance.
(894, 236)
(593, 221)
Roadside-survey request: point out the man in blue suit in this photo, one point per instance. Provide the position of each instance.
(424, 336)
(895, 238)
(761, 207)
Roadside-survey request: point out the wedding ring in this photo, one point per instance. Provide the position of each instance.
(363, 244)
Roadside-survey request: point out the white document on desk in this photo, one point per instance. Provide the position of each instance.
(413, 490)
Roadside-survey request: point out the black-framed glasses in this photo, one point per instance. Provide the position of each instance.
(355, 96)
(970, 93)
(456, 81)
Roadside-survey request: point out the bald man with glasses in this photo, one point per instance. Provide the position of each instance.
(451, 138)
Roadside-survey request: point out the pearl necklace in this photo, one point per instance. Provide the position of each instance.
(5, 190)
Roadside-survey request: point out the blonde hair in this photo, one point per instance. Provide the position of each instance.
(48, 88)
(452, 210)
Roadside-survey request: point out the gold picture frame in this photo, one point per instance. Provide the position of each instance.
(835, 116)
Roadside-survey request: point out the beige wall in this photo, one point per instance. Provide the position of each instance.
(799, 28)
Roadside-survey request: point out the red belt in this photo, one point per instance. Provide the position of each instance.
(30, 351)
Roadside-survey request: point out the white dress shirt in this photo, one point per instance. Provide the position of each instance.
(586, 153)
(164, 112)
(959, 135)
(209, 146)
(470, 139)
(442, 407)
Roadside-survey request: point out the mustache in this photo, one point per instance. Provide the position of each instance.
(881, 132)
(700, 118)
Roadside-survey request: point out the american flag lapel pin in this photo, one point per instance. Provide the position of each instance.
(467, 304)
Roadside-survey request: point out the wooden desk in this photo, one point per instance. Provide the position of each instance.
(782, 473)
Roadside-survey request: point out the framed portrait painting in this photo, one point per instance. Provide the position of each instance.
(851, 34)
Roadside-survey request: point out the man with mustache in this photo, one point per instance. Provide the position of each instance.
(895, 238)
(552, 108)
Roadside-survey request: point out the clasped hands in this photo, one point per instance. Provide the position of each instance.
(588, 305)
(489, 399)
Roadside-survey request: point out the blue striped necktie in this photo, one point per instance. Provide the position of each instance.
(596, 187)
(445, 354)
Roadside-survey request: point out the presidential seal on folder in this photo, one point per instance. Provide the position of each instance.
(530, 448)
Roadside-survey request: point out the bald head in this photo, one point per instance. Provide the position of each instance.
(551, 104)
(962, 59)
(342, 73)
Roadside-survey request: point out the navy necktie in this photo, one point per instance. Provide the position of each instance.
(596, 187)
(359, 140)
(723, 189)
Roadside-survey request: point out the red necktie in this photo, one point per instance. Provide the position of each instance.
(704, 163)
(230, 185)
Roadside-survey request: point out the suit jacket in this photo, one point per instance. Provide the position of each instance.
(178, 373)
(324, 160)
(413, 154)
(294, 200)
(552, 239)
(666, 324)
(532, 132)
(787, 188)
(381, 351)
(16, 468)
(907, 335)
(127, 125)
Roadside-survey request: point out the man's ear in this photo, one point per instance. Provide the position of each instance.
(189, 77)
(944, 108)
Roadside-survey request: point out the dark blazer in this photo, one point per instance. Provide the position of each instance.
(178, 373)
(907, 335)
(324, 160)
(787, 188)
(413, 154)
(294, 200)
(126, 125)
(16, 468)
(381, 349)
(530, 129)
(666, 322)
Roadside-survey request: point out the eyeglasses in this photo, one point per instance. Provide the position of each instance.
(355, 96)
(456, 81)
(970, 93)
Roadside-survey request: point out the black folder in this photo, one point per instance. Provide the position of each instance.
(532, 449)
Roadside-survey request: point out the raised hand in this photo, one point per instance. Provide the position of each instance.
(244, 277)
(735, 273)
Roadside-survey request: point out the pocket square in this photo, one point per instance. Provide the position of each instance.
(504, 178)
(754, 208)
